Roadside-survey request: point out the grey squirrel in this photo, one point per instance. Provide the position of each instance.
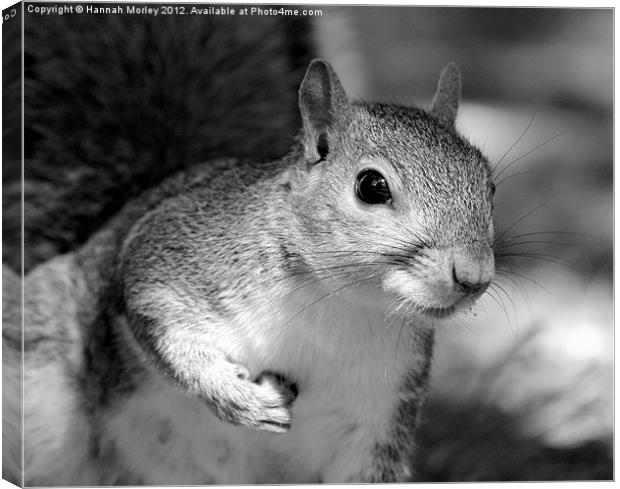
(273, 323)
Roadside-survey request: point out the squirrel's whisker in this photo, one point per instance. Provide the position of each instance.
(323, 297)
(520, 174)
(406, 246)
(497, 296)
(513, 275)
(364, 252)
(545, 142)
(512, 240)
(317, 276)
(396, 239)
(492, 294)
(536, 256)
(517, 222)
(567, 233)
(552, 243)
(508, 296)
(400, 332)
(529, 124)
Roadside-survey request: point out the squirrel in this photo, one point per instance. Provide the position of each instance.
(262, 323)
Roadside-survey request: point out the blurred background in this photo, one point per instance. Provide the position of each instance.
(522, 388)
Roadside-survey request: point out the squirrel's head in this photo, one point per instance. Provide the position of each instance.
(391, 199)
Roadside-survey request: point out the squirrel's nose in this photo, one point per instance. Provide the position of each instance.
(472, 275)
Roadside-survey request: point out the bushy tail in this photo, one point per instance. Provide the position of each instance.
(113, 104)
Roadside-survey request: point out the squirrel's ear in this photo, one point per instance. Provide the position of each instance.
(324, 107)
(446, 100)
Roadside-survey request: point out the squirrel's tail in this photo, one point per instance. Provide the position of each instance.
(113, 104)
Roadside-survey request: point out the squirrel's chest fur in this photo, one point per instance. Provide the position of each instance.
(348, 363)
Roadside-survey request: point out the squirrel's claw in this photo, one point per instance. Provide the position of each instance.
(264, 404)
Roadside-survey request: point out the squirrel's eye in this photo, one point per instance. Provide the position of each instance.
(371, 188)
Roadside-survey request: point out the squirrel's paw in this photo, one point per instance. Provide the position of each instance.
(264, 404)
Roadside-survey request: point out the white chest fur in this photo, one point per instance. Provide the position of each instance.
(348, 363)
